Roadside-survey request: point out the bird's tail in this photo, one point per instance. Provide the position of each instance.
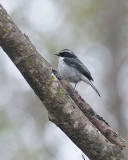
(91, 84)
(94, 88)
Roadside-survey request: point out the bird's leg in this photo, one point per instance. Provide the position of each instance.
(75, 85)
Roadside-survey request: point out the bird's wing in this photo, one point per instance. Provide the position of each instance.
(78, 65)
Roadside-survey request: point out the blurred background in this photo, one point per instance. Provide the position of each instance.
(97, 32)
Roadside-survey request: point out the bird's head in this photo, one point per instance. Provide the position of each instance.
(66, 53)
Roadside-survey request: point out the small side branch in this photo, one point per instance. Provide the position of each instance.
(98, 121)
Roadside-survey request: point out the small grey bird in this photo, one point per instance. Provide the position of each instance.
(71, 68)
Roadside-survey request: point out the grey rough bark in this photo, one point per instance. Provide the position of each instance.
(61, 108)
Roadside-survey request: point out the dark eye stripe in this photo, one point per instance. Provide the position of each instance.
(67, 53)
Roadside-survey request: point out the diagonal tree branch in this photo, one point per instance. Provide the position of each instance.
(63, 111)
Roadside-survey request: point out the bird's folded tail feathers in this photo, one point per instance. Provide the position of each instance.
(94, 88)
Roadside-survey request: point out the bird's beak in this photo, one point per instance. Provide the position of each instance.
(56, 54)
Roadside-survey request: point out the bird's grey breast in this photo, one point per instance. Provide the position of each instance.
(68, 72)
